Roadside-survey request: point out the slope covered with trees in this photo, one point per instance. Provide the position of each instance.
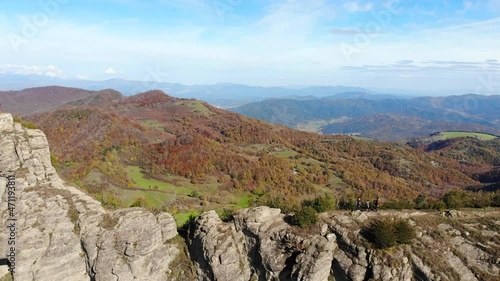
(398, 118)
(39, 99)
(205, 154)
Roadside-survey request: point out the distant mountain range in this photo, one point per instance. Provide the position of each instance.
(225, 95)
(322, 109)
(381, 117)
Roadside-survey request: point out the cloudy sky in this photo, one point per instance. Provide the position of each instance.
(408, 44)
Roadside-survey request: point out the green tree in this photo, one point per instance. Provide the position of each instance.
(305, 217)
(456, 199)
(420, 201)
(321, 203)
(109, 200)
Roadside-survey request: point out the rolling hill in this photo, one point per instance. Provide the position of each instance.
(186, 155)
(39, 99)
(387, 126)
(384, 119)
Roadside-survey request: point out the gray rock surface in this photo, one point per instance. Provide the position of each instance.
(64, 234)
(218, 250)
(261, 246)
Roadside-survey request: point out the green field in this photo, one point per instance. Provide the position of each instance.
(195, 106)
(135, 174)
(242, 201)
(158, 193)
(452, 135)
(176, 193)
(155, 198)
(182, 218)
(362, 138)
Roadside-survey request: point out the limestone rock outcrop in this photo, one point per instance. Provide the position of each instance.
(258, 244)
(64, 234)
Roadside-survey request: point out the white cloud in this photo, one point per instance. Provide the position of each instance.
(48, 70)
(110, 71)
(290, 38)
(356, 7)
(81, 77)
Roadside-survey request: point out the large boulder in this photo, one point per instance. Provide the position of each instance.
(258, 245)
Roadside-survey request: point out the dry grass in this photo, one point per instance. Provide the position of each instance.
(434, 259)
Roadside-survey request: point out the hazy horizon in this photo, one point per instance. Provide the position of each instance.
(146, 85)
(408, 45)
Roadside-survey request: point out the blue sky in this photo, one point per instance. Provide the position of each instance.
(413, 45)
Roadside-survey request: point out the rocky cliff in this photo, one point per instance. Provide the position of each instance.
(61, 233)
(259, 245)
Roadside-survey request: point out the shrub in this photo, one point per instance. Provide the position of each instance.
(73, 216)
(434, 205)
(381, 233)
(482, 200)
(420, 201)
(457, 199)
(347, 203)
(286, 206)
(398, 205)
(226, 215)
(54, 160)
(195, 194)
(496, 200)
(305, 217)
(140, 201)
(321, 203)
(386, 233)
(26, 124)
(258, 192)
(108, 200)
(405, 232)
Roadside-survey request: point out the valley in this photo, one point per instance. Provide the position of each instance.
(185, 156)
(386, 119)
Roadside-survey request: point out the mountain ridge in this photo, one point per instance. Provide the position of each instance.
(187, 149)
(220, 94)
(343, 116)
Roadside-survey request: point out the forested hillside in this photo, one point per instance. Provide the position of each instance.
(383, 119)
(124, 147)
